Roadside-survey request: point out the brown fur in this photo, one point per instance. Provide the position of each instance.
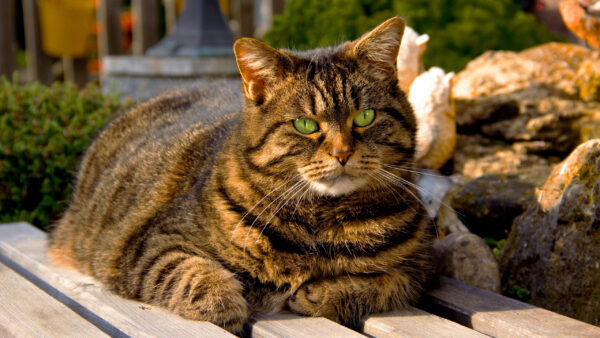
(187, 202)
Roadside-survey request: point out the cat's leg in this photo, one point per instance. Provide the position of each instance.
(347, 299)
(197, 288)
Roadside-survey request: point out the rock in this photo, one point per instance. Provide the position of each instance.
(588, 79)
(436, 132)
(489, 204)
(410, 57)
(551, 119)
(494, 73)
(531, 96)
(581, 21)
(554, 247)
(552, 65)
(476, 155)
(447, 221)
(466, 257)
(433, 189)
(589, 127)
(558, 64)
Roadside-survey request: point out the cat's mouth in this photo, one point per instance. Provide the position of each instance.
(336, 185)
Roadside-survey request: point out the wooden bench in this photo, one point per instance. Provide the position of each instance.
(40, 299)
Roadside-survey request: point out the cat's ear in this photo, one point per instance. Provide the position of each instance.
(259, 65)
(377, 50)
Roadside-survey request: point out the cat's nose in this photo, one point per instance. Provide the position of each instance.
(342, 156)
(342, 147)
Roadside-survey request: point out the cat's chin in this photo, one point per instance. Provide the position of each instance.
(341, 185)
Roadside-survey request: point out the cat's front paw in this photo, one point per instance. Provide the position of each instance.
(313, 299)
(218, 300)
(334, 300)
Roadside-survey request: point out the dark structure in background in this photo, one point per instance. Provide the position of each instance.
(201, 30)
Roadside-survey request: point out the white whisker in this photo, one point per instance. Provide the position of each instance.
(386, 185)
(266, 207)
(281, 205)
(408, 183)
(257, 203)
(412, 170)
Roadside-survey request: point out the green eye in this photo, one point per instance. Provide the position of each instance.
(364, 118)
(306, 126)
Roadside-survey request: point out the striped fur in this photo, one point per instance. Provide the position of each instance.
(188, 202)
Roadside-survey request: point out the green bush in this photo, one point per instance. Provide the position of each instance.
(43, 132)
(459, 30)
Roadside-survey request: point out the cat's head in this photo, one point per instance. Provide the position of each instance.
(334, 118)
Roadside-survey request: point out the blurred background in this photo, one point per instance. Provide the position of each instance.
(48, 40)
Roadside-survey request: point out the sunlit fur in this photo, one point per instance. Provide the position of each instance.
(191, 202)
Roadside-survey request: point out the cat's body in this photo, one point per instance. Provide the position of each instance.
(214, 217)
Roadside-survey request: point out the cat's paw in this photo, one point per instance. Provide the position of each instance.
(313, 299)
(332, 299)
(217, 299)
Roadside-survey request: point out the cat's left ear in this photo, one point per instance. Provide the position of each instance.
(259, 66)
(377, 50)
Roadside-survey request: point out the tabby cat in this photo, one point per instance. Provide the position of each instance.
(302, 199)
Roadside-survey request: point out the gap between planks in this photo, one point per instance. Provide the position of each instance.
(500, 316)
(27, 311)
(24, 247)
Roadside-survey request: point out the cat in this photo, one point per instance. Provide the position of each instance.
(301, 197)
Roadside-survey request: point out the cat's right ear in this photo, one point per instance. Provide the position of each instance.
(259, 66)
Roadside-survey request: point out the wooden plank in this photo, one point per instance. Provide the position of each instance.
(38, 64)
(242, 12)
(27, 311)
(23, 248)
(170, 14)
(109, 35)
(75, 71)
(278, 6)
(291, 325)
(7, 37)
(145, 25)
(499, 316)
(412, 322)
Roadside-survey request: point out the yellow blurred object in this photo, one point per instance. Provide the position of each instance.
(179, 6)
(225, 7)
(66, 26)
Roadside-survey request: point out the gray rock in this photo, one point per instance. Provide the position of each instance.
(528, 96)
(588, 78)
(489, 204)
(467, 258)
(142, 77)
(476, 155)
(554, 247)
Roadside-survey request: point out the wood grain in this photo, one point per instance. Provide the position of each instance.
(145, 26)
(499, 316)
(292, 325)
(109, 35)
(27, 311)
(38, 64)
(23, 248)
(8, 38)
(412, 322)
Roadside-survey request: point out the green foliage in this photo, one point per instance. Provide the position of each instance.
(459, 30)
(307, 24)
(517, 293)
(495, 245)
(43, 132)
